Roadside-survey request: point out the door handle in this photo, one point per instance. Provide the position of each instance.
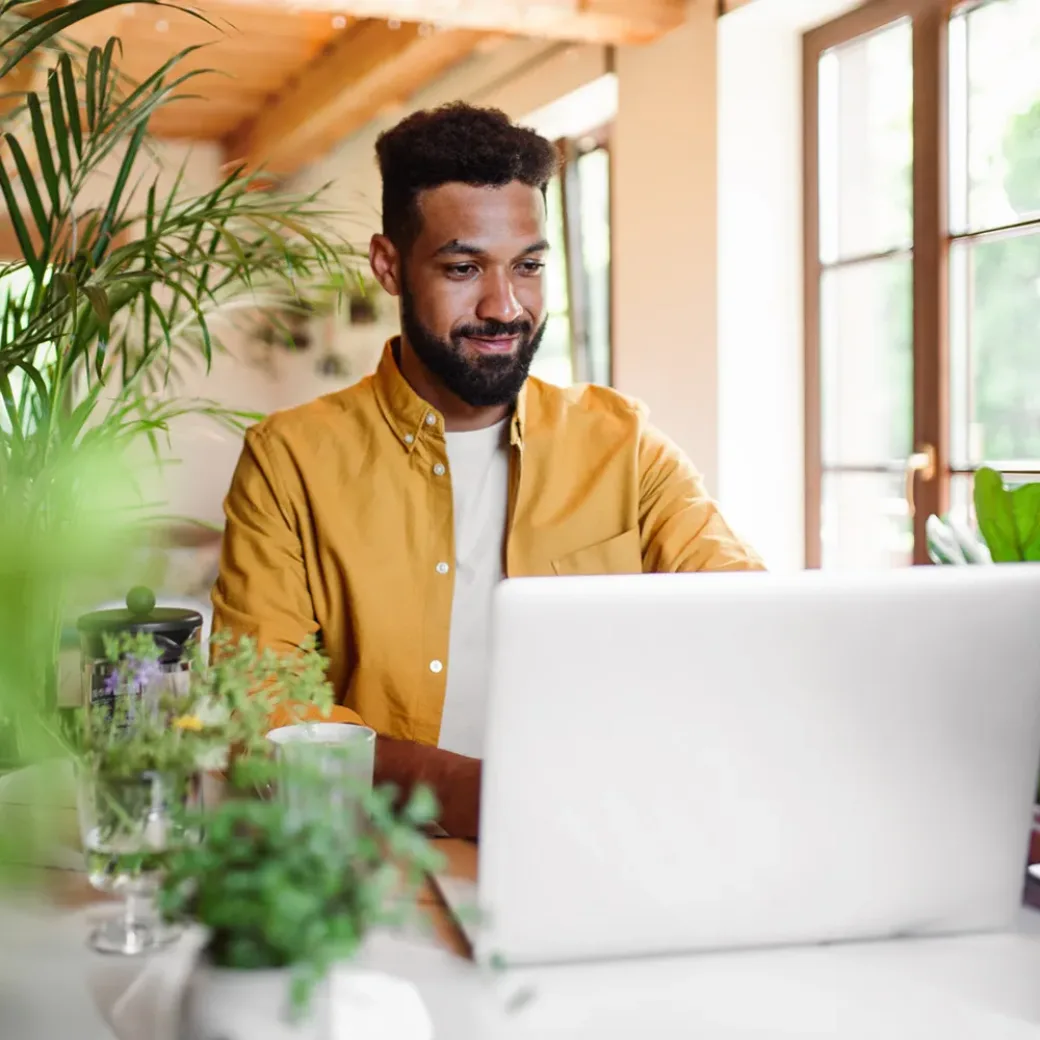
(921, 462)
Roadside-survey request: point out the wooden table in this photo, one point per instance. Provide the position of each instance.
(461, 859)
(70, 888)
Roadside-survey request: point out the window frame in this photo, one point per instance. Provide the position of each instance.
(570, 149)
(931, 244)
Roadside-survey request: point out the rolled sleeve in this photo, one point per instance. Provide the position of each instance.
(681, 526)
(262, 590)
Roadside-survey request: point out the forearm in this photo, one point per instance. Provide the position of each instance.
(454, 779)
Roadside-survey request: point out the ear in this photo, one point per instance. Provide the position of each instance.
(386, 263)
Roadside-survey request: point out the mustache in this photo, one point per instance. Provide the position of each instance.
(493, 329)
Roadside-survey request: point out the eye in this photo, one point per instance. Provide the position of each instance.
(460, 270)
(532, 267)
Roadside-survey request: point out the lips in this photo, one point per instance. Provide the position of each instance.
(494, 345)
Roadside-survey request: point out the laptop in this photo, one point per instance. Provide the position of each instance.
(682, 763)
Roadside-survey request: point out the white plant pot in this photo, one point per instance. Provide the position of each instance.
(226, 1004)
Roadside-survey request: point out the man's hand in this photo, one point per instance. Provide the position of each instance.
(454, 779)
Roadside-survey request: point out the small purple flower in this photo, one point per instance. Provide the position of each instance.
(146, 673)
(135, 674)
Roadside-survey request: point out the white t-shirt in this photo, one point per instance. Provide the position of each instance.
(479, 465)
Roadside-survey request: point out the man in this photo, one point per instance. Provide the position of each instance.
(383, 516)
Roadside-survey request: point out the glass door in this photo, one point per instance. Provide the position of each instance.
(860, 264)
(994, 260)
(922, 268)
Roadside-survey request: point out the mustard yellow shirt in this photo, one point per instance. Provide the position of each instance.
(339, 523)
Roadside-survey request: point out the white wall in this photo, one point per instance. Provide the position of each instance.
(664, 233)
(760, 378)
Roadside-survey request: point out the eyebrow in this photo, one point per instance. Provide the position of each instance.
(457, 248)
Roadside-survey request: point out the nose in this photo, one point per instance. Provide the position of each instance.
(499, 302)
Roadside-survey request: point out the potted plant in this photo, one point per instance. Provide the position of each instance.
(109, 296)
(280, 896)
(1008, 520)
(140, 753)
(282, 901)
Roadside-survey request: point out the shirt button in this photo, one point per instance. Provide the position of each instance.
(436, 666)
(408, 438)
(442, 568)
(438, 470)
(431, 419)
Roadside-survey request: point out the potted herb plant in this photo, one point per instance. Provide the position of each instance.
(140, 753)
(283, 901)
(280, 896)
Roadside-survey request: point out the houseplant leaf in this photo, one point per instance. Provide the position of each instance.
(37, 31)
(1025, 502)
(18, 222)
(43, 150)
(99, 301)
(61, 131)
(996, 516)
(32, 194)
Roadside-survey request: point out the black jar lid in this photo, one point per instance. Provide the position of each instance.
(172, 627)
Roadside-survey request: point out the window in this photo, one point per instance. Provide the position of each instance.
(922, 296)
(576, 346)
(16, 282)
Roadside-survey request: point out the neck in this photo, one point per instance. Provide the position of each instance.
(459, 417)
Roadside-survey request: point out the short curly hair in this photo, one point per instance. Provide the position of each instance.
(456, 143)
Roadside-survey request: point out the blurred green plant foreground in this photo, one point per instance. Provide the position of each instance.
(60, 538)
(122, 280)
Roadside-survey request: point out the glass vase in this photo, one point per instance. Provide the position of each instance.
(129, 826)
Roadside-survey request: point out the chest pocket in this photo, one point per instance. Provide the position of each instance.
(621, 554)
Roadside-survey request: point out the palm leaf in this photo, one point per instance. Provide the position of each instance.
(43, 150)
(37, 31)
(61, 130)
(21, 230)
(105, 78)
(32, 194)
(71, 102)
(104, 236)
(93, 68)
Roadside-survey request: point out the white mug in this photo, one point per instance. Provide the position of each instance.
(338, 760)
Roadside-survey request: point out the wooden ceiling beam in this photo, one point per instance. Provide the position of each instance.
(728, 6)
(592, 21)
(365, 69)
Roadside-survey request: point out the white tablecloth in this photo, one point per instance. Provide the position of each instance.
(985, 987)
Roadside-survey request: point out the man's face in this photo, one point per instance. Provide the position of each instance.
(471, 288)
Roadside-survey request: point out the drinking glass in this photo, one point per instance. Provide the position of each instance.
(326, 769)
(129, 826)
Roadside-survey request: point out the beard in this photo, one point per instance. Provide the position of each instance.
(484, 381)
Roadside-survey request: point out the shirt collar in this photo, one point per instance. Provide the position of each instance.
(408, 414)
